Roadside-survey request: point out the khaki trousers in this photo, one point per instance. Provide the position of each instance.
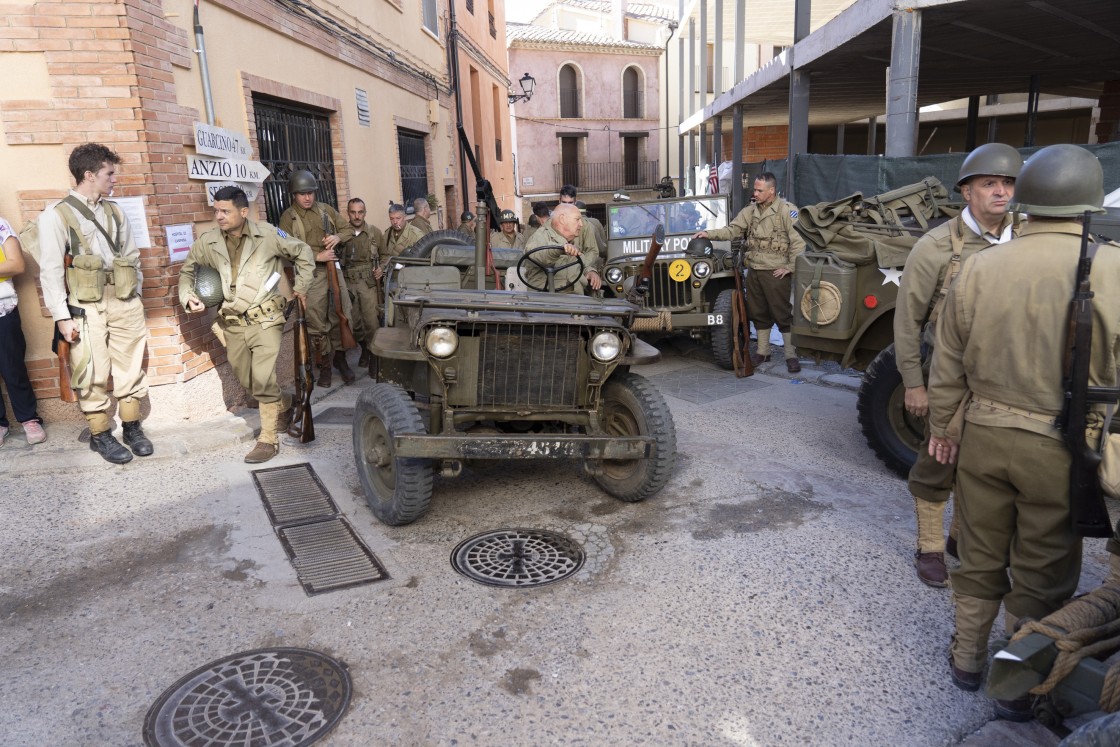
(115, 335)
(252, 354)
(768, 300)
(322, 321)
(363, 303)
(1016, 541)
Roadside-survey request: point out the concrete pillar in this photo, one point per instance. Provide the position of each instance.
(740, 42)
(798, 100)
(902, 83)
(681, 83)
(973, 121)
(872, 135)
(703, 54)
(717, 60)
(691, 181)
(840, 139)
(1032, 111)
(737, 202)
(1107, 128)
(717, 140)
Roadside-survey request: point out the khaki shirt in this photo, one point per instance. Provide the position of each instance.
(920, 287)
(498, 240)
(1002, 332)
(307, 225)
(422, 225)
(547, 235)
(262, 254)
(53, 237)
(397, 241)
(364, 249)
(772, 242)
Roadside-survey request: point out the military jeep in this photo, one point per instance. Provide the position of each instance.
(691, 292)
(845, 289)
(467, 372)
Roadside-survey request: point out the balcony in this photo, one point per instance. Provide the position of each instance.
(606, 176)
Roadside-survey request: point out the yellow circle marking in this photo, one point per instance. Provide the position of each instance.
(680, 270)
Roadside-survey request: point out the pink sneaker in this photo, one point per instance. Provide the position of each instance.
(34, 432)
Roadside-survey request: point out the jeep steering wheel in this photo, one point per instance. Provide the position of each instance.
(549, 270)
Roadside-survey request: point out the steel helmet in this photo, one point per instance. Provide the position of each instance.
(507, 217)
(991, 159)
(301, 181)
(1060, 181)
(466, 216)
(208, 285)
(699, 247)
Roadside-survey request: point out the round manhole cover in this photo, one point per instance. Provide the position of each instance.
(518, 557)
(278, 697)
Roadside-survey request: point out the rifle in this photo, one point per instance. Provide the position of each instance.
(334, 298)
(641, 285)
(61, 347)
(1087, 507)
(740, 327)
(302, 425)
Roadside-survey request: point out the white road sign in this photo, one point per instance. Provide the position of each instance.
(214, 141)
(252, 191)
(229, 169)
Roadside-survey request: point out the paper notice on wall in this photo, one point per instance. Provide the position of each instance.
(133, 209)
(179, 240)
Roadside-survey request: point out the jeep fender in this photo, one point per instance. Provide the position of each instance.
(868, 329)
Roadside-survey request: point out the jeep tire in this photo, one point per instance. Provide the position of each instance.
(631, 406)
(422, 249)
(398, 490)
(891, 432)
(723, 335)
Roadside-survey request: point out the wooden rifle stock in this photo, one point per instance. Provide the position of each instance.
(302, 425)
(335, 296)
(740, 327)
(641, 285)
(62, 347)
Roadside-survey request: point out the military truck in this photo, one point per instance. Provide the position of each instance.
(691, 291)
(845, 288)
(470, 372)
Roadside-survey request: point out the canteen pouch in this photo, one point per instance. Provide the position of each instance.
(125, 277)
(86, 278)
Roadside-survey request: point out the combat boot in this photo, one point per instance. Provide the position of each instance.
(324, 381)
(363, 359)
(930, 557)
(343, 367)
(135, 439)
(968, 650)
(262, 452)
(109, 448)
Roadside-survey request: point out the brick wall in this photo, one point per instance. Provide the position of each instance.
(760, 143)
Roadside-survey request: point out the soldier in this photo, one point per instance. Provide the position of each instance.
(563, 230)
(508, 237)
(423, 213)
(1002, 337)
(589, 235)
(987, 184)
(772, 249)
(248, 257)
(541, 212)
(304, 219)
(468, 223)
(96, 303)
(400, 236)
(359, 257)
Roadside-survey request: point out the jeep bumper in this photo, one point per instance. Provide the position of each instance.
(531, 446)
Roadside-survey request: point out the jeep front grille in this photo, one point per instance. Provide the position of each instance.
(529, 364)
(666, 293)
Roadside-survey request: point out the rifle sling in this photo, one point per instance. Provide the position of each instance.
(85, 212)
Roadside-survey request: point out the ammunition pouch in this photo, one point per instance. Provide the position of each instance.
(364, 272)
(86, 278)
(270, 310)
(125, 277)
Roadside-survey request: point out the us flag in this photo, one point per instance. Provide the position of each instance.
(713, 181)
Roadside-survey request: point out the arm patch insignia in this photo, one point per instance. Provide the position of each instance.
(281, 233)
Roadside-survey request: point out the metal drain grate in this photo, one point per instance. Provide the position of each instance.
(518, 557)
(327, 555)
(267, 698)
(323, 548)
(293, 495)
(335, 416)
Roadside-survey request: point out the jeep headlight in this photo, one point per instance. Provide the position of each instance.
(701, 270)
(442, 342)
(606, 346)
(614, 275)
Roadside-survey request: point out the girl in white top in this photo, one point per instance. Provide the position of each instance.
(13, 346)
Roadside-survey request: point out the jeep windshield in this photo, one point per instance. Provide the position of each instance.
(630, 224)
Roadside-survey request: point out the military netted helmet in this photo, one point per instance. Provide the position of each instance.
(1060, 181)
(507, 217)
(991, 159)
(208, 285)
(301, 181)
(700, 247)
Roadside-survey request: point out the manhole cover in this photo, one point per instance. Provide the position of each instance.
(281, 697)
(518, 557)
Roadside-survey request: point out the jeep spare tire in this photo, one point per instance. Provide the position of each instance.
(422, 249)
(891, 432)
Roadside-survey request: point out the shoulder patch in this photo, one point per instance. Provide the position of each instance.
(281, 233)
(793, 212)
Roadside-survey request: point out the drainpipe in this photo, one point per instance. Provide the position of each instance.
(453, 62)
(665, 84)
(200, 50)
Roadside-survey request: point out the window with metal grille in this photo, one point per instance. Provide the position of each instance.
(293, 138)
(362, 100)
(470, 6)
(631, 94)
(414, 165)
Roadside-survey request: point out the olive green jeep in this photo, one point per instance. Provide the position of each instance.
(469, 372)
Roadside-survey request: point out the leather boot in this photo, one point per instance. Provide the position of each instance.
(109, 448)
(135, 439)
(968, 651)
(930, 558)
(262, 452)
(343, 367)
(324, 381)
(363, 359)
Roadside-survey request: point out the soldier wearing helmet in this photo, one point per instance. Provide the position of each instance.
(468, 222)
(508, 237)
(1000, 342)
(987, 184)
(305, 219)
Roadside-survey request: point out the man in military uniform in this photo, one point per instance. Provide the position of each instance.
(400, 236)
(422, 218)
(359, 257)
(772, 249)
(96, 303)
(305, 219)
(468, 223)
(248, 256)
(563, 230)
(592, 234)
(997, 366)
(508, 237)
(987, 184)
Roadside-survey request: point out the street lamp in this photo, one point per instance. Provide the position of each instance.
(528, 83)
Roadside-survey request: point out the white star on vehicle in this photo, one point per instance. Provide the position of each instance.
(891, 276)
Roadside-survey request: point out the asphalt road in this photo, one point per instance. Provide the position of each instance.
(765, 597)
